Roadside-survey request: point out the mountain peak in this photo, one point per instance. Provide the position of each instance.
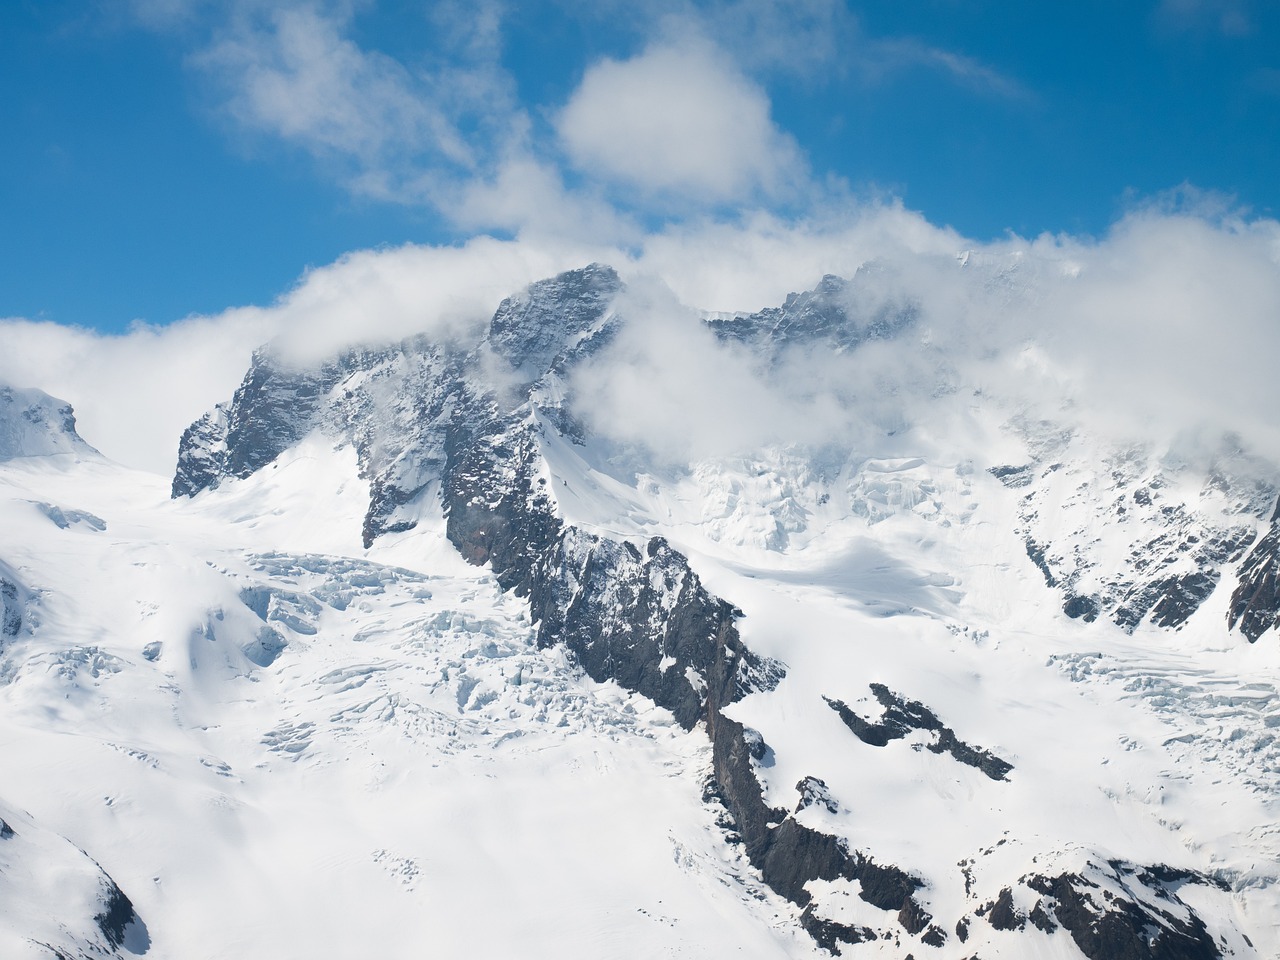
(34, 424)
(529, 330)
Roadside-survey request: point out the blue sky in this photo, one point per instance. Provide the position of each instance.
(169, 157)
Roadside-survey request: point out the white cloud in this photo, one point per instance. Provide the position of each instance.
(667, 386)
(679, 127)
(529, 197)
(680, 121)
(1162, 330)
(382, 296)
(799, 37)
(759, 259)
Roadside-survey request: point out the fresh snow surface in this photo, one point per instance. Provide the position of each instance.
(279, 743)
(1156, 747)
(407, 774)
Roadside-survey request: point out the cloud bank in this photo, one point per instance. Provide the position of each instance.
(1165, 326)
(1163, 331)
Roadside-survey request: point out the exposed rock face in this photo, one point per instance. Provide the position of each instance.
(838, 315)
(1174, 545)
(814, 792)
(59, 901)
(1255, 604)
(11, 606)
(116, 914)
(790, 854)
(274, 407)
(646, 621)
(546, 328)
(1107, 927)
(202, 453)
(13, 603)
(902, 716)
(1112, 910)
(417, 413)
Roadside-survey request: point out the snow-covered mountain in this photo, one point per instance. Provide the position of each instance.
(34, 424)
(418, 653)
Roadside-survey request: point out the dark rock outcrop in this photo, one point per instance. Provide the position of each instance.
(1125, 928)
(902, 716)
(831, 935)
(116, 914)
(274, 407)
(10, 608)
(1255, 603)
(1112, 910)
(1174, 545)
(814, 792)
(837, 314)
(1001, 912)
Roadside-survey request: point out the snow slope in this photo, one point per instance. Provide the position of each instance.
(407, 769)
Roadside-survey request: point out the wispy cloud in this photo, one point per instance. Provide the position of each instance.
(293, 73)
(446, 132)
(1231, 18)
(681, 127)
(889, 56)
(135, 393)
(1163, 327)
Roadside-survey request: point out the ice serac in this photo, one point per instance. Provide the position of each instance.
(34, 424)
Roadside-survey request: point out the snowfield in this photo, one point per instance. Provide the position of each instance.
(408, 770)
